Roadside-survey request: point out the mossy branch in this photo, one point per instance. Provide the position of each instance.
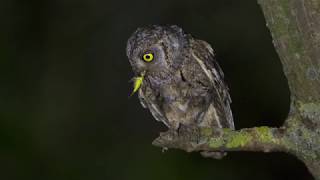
(206, 139)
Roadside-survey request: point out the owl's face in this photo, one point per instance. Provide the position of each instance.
(155, 49)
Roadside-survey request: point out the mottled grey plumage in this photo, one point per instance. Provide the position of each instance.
(184, 83)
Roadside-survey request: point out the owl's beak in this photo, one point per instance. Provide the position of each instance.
(137, 82)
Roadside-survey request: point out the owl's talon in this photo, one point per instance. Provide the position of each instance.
(213, 154)
(164, 149)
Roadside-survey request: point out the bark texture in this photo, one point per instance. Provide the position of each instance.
(295, 28)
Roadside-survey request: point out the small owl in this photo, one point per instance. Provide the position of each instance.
(178, 78)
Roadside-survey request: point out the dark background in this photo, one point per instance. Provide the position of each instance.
(64, 106)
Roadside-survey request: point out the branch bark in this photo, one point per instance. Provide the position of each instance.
(206, 139)
(295, 29)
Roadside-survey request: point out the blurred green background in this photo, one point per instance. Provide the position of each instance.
(64, 107)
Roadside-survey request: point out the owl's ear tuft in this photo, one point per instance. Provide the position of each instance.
(129, 46)
(177, 29)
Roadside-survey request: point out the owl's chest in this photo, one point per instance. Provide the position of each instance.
(167, 89)
(175, 99)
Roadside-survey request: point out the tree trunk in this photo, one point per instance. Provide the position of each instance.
(295, 28)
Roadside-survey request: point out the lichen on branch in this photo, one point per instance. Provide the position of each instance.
(206, 139)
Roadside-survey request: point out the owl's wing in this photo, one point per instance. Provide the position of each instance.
(147, 101)
(204, 55)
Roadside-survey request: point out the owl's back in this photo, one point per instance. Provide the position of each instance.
(219, 107)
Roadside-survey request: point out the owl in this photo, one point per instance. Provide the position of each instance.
(178, 78)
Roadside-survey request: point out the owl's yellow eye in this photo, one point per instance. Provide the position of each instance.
(148, 57)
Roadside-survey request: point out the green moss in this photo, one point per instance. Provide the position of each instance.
(216, 142)
(265, 135)
(238, 140)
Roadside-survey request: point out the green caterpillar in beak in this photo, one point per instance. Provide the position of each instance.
(137, 82)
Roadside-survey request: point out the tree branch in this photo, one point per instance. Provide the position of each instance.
(206, 139)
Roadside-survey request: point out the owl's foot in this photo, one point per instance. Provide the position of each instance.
(213, 154)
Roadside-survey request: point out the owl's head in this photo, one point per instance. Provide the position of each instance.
(156, 49)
